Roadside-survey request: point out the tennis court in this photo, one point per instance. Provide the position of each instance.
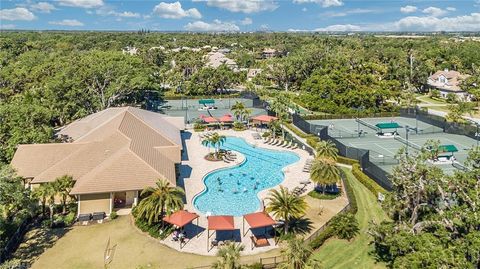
(362, 134)
(191, 109)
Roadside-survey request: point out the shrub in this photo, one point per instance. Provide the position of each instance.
(69, 219)
(256, 265)
(323, 196)
(350, 194)
(113, 215)
(451, 98)
(369, 183)
(266, 134)
(155, 229)
(238, 126)
(46, 223)
(295, 130)
(322, 237)
(344, 226)
(312, 141)
(12, 264)
(346, 160)
(198, 127)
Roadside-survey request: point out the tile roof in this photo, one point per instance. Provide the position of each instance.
(116, 149)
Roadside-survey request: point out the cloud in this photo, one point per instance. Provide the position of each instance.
(42, 7)
(434, 11)
(215, 26)
(408, 9)
(71, 23)
(460, 23)
(7, 26)
(81, 3)
(451, 9)
(246, 21)
(16, 14)
(304, 9)
(245, 6)
(175, 11)
(323, 3)
(348, 12)
(333, 28)
(128, 14)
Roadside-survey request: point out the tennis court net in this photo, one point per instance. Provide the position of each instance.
(408, 143)
(369, 125)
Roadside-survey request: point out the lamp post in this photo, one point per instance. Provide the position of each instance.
(406, 137)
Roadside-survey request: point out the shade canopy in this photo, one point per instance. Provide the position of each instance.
(209, 119)
(180, 218)
(226, 118)
(259, 219)
(221, 223)
(447, 148)
(388, 125)
(206, 101)
(264, 118)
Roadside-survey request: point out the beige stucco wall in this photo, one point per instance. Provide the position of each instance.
(130, 195)
(99, 202)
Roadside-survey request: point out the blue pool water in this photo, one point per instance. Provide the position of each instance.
(233, 191)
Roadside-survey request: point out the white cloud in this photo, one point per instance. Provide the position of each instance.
(323, 3)
(7, 26)
(42, 7)
(81, 3)
(175, 11)
(246, 21)
(408, 9)
(460, 23)
(128, 14)
(451, 9)
(434, 11)
(304, 9)
(339, 28)
(16, 14)
(348, 12)
(72, 23)
(215, 26)
(245, 6)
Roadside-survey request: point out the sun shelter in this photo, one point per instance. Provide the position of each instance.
(263, 119)
(181, 218)
(209, 120)
(258, 220)
(447, 150)
(227, 118)
(219, 223)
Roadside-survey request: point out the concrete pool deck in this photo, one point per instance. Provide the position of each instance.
(194, 167)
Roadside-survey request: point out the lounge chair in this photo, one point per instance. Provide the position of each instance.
(295, 146)
(275, 142)
(267, 140)
(290, 145)
(285, 144)
(281, 143)
(259, 241)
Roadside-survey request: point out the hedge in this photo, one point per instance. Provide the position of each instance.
(329, 232)
(369, 183)
(346, 160)
(295, 130)
(350, 116)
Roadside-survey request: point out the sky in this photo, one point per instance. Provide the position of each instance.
(242, 15)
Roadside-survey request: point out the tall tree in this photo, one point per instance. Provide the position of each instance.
(229, 256)
(286, 205)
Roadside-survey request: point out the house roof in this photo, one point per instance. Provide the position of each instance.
(116, 149)
(454, 79)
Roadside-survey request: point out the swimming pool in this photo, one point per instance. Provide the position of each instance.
(233, 191)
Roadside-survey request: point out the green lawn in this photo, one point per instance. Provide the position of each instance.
(336, 253)
(83, 247)
(428, 99)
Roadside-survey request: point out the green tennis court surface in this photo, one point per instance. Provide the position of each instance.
(362, 135)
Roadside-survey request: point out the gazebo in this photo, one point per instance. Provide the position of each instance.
(208, 119)
(181, 218)
(262, 119)
(258, 220)
(219, 223)
(227, 118)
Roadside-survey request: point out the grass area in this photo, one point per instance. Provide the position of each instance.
(439, 108)
(83, 247)
(428, 99)
(336, 253)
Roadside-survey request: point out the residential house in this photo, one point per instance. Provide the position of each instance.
(216, 59)
(114, 154)
(448, 81)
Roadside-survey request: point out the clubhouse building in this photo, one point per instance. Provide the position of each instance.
(112, 155)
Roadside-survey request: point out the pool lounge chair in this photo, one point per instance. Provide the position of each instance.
(295, 146)
(281, 143)
(290, 145)
(259, 241)
(266, 140)
(285, 144)
(275, 142)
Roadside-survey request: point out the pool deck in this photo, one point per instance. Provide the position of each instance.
(194, 167)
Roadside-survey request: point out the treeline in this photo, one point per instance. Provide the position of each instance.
(48, 79)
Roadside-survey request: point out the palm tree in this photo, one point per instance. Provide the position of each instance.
(215, 140)
(246, 113)
(41, 193)
(345, 226)
(229, 256)
(324, 172)
(64, 185)
(297, 255)
(51, 192)
(327, 149)
(238, 109)
(159, 200)
(286, 205)
(274, 126)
